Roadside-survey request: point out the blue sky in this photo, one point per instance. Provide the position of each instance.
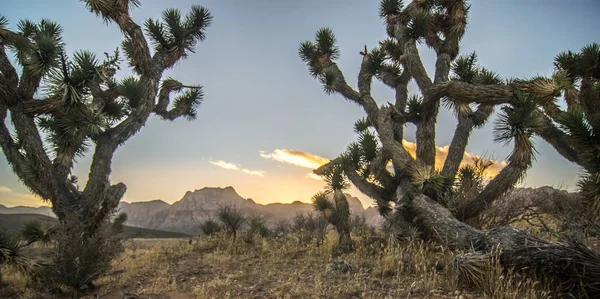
(259, 96)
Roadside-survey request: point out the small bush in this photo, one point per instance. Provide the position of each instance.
(80, 258)
(257, 226)
(33, 232)
(210, 227)
(232, 219)
(10, 253)
(309, 227)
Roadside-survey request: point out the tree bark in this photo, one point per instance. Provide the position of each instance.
(342, 223)
(574, 266)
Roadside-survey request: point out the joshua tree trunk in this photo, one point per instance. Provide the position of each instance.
(342, 225)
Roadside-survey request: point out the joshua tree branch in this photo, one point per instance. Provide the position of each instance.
(118, 12)
(469, 93)
(558, 139)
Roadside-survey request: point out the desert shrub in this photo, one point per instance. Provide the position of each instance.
(232, 219)
(258, 226)
(79, 259)
(396, 230)
(281, 228)
(33, 232)
(358, 224)
(10, 253)
(310, 227)
(210, 227)
(118, 223)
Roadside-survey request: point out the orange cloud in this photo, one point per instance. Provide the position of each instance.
(298, 158)
(231, 166)
(441, 152)
(308, 160)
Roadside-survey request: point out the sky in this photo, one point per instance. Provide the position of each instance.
(265, 122)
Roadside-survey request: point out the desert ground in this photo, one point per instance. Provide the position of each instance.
(285, 267)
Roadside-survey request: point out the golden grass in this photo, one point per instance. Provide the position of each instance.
(214, 267)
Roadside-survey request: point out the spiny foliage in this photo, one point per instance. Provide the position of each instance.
(176, 36)
(210, 227)
(580, 82)
(231, 218)
(33, 232)
(10, 250)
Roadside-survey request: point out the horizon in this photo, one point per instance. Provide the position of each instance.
(274, 122)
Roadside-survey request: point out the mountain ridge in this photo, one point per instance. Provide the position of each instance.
(195, 207)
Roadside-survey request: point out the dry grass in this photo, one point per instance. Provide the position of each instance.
(214, 267)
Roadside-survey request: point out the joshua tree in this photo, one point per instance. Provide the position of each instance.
(413, 185)
(63, 107)
(337, 213)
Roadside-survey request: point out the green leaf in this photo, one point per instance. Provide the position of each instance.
(326, 43)
(131, 90)
(321, 203)
(390, 7)
(487, 77)
(418, 25)
(336, 180)
(375, 61)
(369, 144)
(517, 120)
(465, 69)
(327, 78)
(361, 125)
(197, 20)
(3, 22)
(414, 107)
(353, 155)
(188, 102)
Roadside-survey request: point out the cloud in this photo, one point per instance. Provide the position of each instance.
(298, 158)
(232, 166)
(441, 152)
(308, 160)
(11, 198)
(314, 176)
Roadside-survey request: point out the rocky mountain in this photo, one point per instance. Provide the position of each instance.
(46, 211)
(185, 215)
(198, 206)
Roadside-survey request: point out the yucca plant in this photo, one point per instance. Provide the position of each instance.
(63, 107)
(232, 220)
(210, 227)
(337, 211)
(10, 252)
(409, 189)
(33, 232)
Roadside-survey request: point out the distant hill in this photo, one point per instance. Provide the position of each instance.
(14, 222)
(195, 207)
(26, 210)
(186, 215)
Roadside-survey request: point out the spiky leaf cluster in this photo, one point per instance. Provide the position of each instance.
(518, 121)
(33, 232)
(37, 45)
(390, 8)
(318, 54)
(466, 69)
(429, 181)
(584, 135)
(176, 36)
